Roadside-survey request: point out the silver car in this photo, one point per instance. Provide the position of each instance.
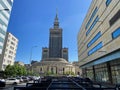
(12, 81)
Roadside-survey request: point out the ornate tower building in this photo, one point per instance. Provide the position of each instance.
(55, 57)
(55, 40)
(55, 49)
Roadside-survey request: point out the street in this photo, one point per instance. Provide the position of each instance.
(11, 87)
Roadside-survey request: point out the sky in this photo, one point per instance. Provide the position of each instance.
(31, 20)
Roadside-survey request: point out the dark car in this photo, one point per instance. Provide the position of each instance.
(2, 83)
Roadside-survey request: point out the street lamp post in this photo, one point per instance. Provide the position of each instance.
(31, 53)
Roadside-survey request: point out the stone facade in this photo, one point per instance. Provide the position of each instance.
(55, 49)
(54, 66)
(99, 42)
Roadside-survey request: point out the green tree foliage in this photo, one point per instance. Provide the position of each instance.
(15, 70)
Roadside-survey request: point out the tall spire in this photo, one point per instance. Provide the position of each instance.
(56, 23)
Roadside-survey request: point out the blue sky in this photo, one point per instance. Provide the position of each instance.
(31, 20)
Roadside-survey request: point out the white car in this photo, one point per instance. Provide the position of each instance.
(20, 79)
(12, 81)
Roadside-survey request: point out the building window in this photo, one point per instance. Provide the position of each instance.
(10, 52)
(10, 2)
(91, 18)
(96, 48)
(108, 2)
(1, 47)
(114, 18)
(13, 39)
(2, 31)
(92, 26)
(11, 47)
(1, 39)
(2, 22)
(116, 33)
(97, 36)
(12, 43)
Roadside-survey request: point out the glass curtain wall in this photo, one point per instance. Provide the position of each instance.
(90, 73)
(101, 73)
(115, 69)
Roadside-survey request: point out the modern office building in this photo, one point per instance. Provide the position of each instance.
(9, 51)
(99, 42)
(5, 10)
(55, 49)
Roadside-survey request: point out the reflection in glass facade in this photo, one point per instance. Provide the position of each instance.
(89, 73)
(115, 69)
(101, 73)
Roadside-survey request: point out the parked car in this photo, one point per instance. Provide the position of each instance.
(12, 81)
(2, 83)
(36, 77)
(25, 79)
(20, 79)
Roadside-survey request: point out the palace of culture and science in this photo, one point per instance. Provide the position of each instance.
(55, 58)
(55, 49)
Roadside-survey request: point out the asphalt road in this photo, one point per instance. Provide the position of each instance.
(11, 87)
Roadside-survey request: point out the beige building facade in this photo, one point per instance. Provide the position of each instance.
(54, 66)
(9, 50)
(99, 42)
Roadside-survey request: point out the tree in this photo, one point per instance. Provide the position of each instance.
(15, 70)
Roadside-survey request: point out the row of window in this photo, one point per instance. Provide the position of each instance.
(4, 6)
(2, 31)
(13, 39)
(11, 47)
(9, 56)
(96, 19)
(13, 43)
(92, 26)
(97, 36)
(10, 2)
(91, 18)
(96, 48)
(3, 23)
(1, 39)
(5, 16)
(8, 61)
(115, 34)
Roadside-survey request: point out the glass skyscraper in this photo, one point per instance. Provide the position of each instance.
(5, 10)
